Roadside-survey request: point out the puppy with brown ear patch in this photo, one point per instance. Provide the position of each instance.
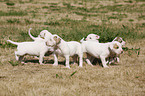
(67, 49)
(116, 57)
(102, 50)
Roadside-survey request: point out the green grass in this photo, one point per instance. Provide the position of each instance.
(10, 3)
(13, 13)
(13, 21)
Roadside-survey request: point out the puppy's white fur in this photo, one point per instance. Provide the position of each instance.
(30, 48)
(67, 49)
(102, 50)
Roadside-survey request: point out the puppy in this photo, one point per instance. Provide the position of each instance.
(32, 48)
(102, 50)
(42, 38)
(67, 49)
(116, 58)
(91, 37)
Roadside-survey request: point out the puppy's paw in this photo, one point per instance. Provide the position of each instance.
(68, 67)
(80, 66)
(55, 64)
(42, 64)
(105, 66)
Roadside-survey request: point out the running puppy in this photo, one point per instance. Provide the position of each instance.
(102, 50)
(32, 48)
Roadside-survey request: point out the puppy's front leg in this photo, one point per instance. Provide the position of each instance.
(81, 60)
(104, 62)
(55, 59)
(67, 61)
(41, 58)
(117, 58)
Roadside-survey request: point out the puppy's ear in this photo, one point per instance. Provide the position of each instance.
(97, 36)
(58, 41)
(116, 39)
(55, 38)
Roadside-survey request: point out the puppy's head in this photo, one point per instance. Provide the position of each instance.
(54, 41)
(92, 37)
(57, 40)
(116, 47)
(120, 40)
(45, 34)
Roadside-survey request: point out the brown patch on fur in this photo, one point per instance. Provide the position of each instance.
(57, 40)
(115, 46)
(97, 36)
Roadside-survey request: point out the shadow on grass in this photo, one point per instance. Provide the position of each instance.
(36, 61)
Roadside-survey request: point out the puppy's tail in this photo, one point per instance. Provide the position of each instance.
(16, 43)
(31, 35)
(82, 40)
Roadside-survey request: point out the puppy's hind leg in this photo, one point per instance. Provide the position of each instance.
(20, 59)
(81, 60)
(17, 58)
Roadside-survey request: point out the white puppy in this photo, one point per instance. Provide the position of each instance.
(102, 50)
(116, 58)
(43, 37)
(67, 49)
(32, 48)
(91, 37)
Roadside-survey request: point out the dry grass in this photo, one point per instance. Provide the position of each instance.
(127, 78)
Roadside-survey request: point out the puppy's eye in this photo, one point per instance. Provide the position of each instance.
(90, 38)
(116, 46)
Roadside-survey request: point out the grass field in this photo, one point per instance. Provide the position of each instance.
(73, 20)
